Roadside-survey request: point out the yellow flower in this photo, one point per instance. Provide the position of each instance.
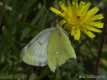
(79, 18)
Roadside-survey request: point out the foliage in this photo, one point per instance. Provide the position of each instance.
(21, 20)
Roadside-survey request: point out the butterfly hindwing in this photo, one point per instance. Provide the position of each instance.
(35, 52)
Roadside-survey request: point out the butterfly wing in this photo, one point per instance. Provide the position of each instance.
(59, 49)
(35, 52)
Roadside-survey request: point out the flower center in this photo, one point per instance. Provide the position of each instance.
(78, 17)
(77, 20)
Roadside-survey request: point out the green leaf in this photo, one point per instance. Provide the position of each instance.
(59, 49)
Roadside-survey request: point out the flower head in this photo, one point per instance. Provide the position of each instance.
(79, 18)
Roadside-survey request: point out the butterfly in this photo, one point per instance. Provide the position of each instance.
(50, 47)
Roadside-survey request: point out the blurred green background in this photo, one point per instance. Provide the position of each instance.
(21, 20)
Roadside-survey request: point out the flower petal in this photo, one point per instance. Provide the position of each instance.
(98, 24)
(89, 34)
(76, 33)
(93, 29)
(56, 11)
(62, 6)
(84, 7)
(75, 3)
(98, 17)
(93, 11)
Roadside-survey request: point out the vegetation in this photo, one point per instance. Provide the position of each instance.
(21, 20)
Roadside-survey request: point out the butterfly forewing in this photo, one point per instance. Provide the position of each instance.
(59, 49)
